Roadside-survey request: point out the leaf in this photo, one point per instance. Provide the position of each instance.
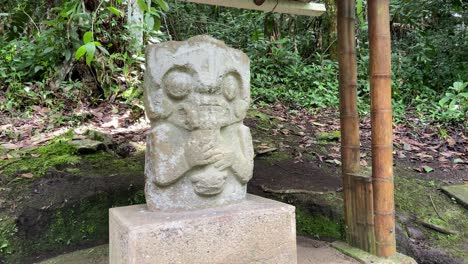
(318, 124)
(80, 52)
(38, 68)
(142, 4)
(103, 50)
(88, 37)
(90, 51)
(114, 10)
(427, 169)
(333, 161)
(157, 24)
(47, 50)
(458, 161)
(149, 21)
(360, 11)
(67, 54)
(27, 175)
(9, 146)
(163, 5)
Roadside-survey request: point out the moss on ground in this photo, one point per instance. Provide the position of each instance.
(317, 225)
(428, 203)
(80, 224)
(38, 160)
(329, 136)
(7, 232)
(112, 164)
(59, 154)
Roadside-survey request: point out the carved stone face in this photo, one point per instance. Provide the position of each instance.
(199, 154)
(207, 92)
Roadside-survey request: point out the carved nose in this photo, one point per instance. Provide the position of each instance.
(209, 89)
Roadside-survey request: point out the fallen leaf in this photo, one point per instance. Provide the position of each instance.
(427, 169)
(27, 175)
(9, 146)
(406, 146)
(451, 141)
(363, 163)
(333, 161)
(265, 150)
(34, 155)
(458, 161)
(318, 124)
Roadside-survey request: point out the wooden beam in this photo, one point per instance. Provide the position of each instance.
(381, 120)
(277, 6)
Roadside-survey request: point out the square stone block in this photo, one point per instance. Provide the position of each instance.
(256, 230)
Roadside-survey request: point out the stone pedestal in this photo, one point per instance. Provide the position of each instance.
(256, 230)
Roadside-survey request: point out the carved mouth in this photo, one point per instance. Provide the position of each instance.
(209, 182)
(206, 107)
(204, 189)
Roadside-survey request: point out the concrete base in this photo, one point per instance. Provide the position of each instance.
(367, 258)
(256, 230)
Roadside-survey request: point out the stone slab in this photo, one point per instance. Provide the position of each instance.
(256, 230)
(367, 258)
(309, 251)
(459, 192)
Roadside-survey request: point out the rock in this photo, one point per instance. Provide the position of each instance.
(402, 240)
(256, 230)
(415, 233)
(87, 145)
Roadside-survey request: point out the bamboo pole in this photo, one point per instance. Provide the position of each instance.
(349, 118)
(381, 120)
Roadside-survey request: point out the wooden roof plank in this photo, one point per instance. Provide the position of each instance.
(278, 6)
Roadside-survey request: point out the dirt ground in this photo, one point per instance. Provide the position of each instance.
(297, 152)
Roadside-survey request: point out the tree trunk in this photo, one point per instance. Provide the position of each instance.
(329, 40)
(135, 26)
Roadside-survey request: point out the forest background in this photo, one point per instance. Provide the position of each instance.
(66, 54)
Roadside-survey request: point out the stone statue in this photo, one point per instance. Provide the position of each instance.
(199, 154)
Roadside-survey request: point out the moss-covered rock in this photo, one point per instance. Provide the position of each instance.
(424, 201)
(37, 161)
(318, 225)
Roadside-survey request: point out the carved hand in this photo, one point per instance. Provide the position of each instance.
(197, 154)
(226, 160)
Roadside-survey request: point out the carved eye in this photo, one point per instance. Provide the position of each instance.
(178, 83)
(231, 85)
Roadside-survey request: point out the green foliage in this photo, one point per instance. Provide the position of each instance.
(454, 105)
(44, 43)
(48, 42)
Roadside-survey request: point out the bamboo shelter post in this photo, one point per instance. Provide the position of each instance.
(381, 120)
(349, 118)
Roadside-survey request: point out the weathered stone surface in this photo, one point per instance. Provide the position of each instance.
(459, 192)
(199, 153)
(87, 145)
(415, 233)
(367, 258)
(256, 230)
